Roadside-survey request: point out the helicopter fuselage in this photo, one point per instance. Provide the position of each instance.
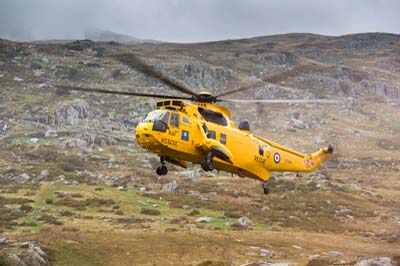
(202, 133)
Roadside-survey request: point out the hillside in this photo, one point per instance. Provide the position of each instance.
(73, 179)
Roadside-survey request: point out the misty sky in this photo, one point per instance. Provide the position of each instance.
(194, 20)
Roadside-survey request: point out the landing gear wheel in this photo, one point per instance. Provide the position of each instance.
(208, 166)
(162, 170)
(265, 188)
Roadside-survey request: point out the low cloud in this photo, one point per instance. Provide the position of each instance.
(194, 20)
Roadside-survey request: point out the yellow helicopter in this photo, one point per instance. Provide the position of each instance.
(198, 130)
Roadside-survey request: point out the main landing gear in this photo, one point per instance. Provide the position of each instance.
(162, 170)
(265, 188)
(208, 165)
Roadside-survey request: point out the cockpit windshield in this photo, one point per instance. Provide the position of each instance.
(154, 115)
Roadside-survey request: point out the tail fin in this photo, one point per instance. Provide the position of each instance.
(316, 159)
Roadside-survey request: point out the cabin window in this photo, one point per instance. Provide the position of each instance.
(212, 116)
(261, 150)
(222, 138)
(174, 121)
(212, 134)
(185, 120)
(177, 103)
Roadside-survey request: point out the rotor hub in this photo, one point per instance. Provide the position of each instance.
(204, 96)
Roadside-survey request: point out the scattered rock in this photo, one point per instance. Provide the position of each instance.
(34, 140)
(204, 219)
(14, 260)
(170, 187)
(266, 253)
(80, 45)
(22, 178)
(265, 208)
(43, 174)
(189, 174)
(74, 143)
(314, 257)
(382, 261)
(297, 247)
(245, 222)
(333, 254)
(73, 182)
(23, 244)
(51, 133)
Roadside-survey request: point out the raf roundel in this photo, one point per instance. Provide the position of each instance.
(277, 157)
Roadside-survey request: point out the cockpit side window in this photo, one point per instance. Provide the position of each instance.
(174, 121)
(161, 124)
(212, 116)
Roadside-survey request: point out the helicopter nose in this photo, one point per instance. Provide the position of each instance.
(143, 133)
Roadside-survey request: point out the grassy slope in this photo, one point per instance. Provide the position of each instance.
(362, 177)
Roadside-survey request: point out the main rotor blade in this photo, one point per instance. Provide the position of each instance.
(234, 91)
(138, 64)
(272, 79)
(280, 101)
(127, 93)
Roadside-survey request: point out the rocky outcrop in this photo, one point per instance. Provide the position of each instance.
(68, 115)
(80, 45)
(285, 58)
(278, 59)
(381, 89)
(31, 254)
(367, 41)
(170, 187)
(392, 64)
(200, 75)
(316, 53)
(346, 73)
(21, 179)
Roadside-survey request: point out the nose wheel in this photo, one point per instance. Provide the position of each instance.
(208, 165)
(265, 188)
(162, 170)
